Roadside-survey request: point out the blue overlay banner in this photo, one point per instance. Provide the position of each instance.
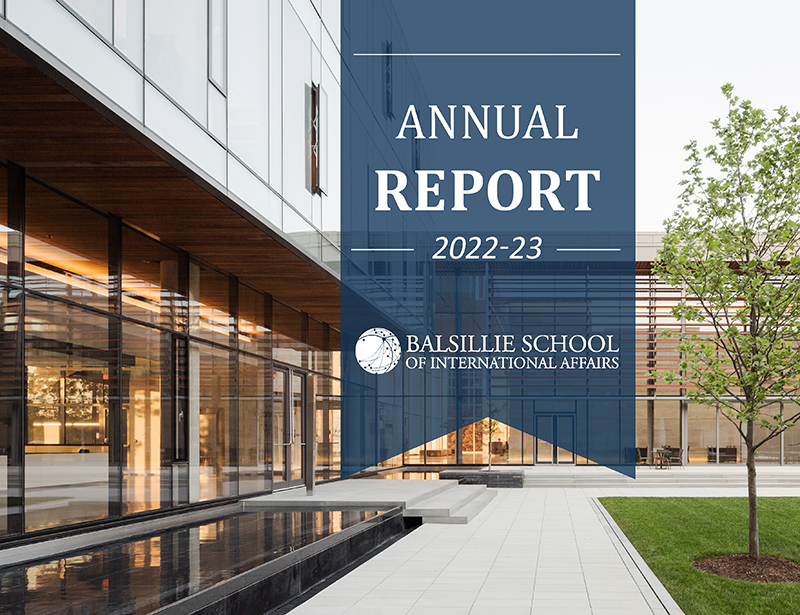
(488, 232)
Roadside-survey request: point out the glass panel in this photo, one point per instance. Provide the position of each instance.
(255, 429)
(288, 333)
(318, 354)
(770, 451)
(10, 370)
(730, 442)
(544, 439)
(566, 439)
(328, 427)
(216, 438)
(791, 437)
(209, 311)
(666, 424)
(151, 282)
(129, 29)
(66, 248)
(66, 454)
(5, 232)
(702, 434)
(96, 12)
(279, 426)
(146, 407)
(473, 449)
(254, 333)
(176, 56)
(298, 400)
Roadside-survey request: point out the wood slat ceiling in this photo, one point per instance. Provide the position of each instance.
(53, 131)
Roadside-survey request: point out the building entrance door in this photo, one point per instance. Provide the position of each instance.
(555, 439)
(288, 429)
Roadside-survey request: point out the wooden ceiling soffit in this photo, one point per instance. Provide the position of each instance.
(59, 132)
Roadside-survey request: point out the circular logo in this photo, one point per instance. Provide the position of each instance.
(377, 351)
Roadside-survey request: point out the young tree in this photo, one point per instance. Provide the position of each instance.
(733, 246)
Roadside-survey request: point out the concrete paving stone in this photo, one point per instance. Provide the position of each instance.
(500, 610)
(386, 609)
(369, 601)
(556, 605)
(391, 594)
(445, 600)
(319, 609)
(438, 610)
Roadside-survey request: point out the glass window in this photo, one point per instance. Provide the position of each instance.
(288, 335)
(66, 248)
(151, 281)
(770, 451)
(255, 433)
(97, 14)
(327, 424)
(730, 441)
(129, 29)
(10, 369)
(254, 333)
(67, 355)
(702, 433)
(5, 232)
(666, 424)
(146, 416)
(791, 437)
(210, 410)
(209, 305)
(319, 358)
(176, 56)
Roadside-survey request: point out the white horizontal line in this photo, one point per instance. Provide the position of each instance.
(381, 249)
(504, 55)
(588, 249)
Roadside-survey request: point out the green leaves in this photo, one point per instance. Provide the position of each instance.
(733, 248)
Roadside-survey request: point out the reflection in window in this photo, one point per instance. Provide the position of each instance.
(66, 451)
(66, 248)
(254, 333)
(255, 433)
(151, 281)
(209, 311)
(146, 406)
(210, 399)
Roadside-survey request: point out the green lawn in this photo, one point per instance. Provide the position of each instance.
(670, 533)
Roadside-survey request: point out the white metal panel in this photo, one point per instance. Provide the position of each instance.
(172, 125)
(255, 194)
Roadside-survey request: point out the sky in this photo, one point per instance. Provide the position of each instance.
(685, 51)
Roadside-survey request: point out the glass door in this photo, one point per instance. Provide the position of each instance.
(288, 428)
(555, 439)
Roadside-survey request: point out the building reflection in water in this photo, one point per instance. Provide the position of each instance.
(140, 576)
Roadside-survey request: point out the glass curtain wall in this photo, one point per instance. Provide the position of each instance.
(149, 375)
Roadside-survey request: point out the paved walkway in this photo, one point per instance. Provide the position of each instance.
(530, 551)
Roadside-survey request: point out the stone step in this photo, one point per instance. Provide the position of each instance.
(445, 504)
(466, 513)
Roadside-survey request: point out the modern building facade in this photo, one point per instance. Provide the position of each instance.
(169, 216)
(169, 225)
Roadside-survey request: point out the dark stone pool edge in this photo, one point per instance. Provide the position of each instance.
(269, 586)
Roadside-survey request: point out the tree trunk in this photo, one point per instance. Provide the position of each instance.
(751, 489)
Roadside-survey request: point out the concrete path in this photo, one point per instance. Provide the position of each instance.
(530, 551)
